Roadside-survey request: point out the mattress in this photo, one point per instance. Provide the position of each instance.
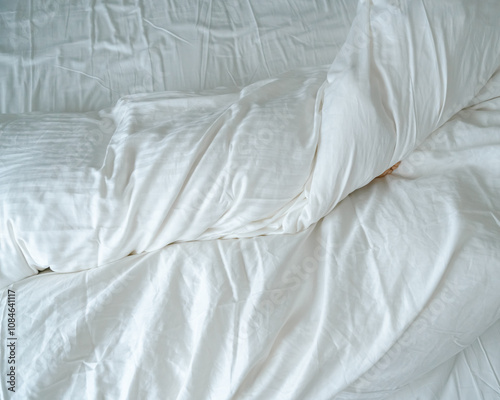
(191, 208)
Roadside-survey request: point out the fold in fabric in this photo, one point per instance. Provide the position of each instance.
(83, 190)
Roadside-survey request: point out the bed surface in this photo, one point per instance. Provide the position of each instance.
(82, 55)
(358, 306)
(392, 295)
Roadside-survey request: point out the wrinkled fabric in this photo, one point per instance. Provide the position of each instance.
(154, 170)
(81, 56)
(274, 157)
(393, 285)
(243, 250)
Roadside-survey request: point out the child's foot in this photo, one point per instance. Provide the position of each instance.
(389, 171)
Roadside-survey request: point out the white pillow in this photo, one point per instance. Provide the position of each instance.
(83, 190)
(406, 68)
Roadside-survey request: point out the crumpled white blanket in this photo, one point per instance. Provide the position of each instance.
(82, 190)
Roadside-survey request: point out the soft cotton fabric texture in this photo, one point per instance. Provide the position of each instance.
(406, 68)
(83, 55)
(378, 300)
(274, 157)
(154, 170)
(392, 295)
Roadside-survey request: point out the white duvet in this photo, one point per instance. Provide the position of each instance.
(243, 248)
(389, 287)
(83, 190)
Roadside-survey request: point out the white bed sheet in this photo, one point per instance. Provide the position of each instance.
(396, 281)
(59, 56)
(380, 300)
(471, 374)
(272, 158)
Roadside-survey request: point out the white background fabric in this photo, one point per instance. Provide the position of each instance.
(379, 300)
(84, 55)
(386, 288)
